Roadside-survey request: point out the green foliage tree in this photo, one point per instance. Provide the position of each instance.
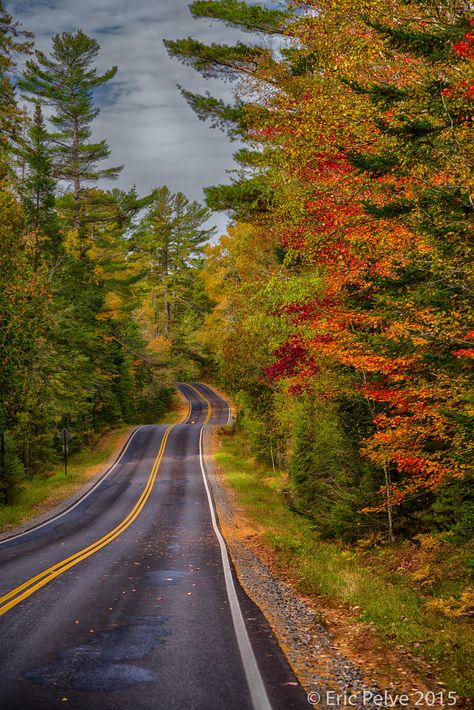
(23, 300)
(13, 41)
(227, 117)
(80, 345)
(37, 189)
(250, 18)
(167, 248)
(218, 60)
(247, 195)
(66, 82)
(21, 292)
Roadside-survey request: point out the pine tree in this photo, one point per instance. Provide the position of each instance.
(66, 82)
(13, 41)
(249, 18)
(229, 118)
(218, 60)
(247, 195)
(37, 190)
(168, 246)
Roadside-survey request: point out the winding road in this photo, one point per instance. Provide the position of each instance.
(128, 600)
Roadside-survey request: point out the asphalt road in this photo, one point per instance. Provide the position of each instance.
(128, 601)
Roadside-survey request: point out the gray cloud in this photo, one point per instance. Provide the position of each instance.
(149, 126)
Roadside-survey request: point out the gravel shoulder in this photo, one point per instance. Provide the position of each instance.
(329, 650)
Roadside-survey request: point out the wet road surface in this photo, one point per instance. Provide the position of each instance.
(127, 600)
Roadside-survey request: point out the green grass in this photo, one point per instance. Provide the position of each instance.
(39, 493)
(394, 607)
(43, 492)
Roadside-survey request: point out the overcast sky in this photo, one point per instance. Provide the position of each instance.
(147, 123)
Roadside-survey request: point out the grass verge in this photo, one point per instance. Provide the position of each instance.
(37, 495)
(42, 493)
(392, 604)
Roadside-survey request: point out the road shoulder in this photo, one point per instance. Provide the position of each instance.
(114, 441)
(328, 649)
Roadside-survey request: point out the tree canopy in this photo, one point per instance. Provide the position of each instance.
(356, 186)
(83, 269)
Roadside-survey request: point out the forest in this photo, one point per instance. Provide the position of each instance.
(99, 298)
(342, 317)
(337, 309)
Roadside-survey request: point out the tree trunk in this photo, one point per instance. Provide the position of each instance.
(76, 221)
(166, 309)
(388, 494)
(271, 454)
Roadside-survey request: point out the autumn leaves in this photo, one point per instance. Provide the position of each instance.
(361, 132)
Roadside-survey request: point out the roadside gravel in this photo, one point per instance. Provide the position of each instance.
(309, 645)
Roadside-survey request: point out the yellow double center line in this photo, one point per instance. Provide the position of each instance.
(209, 406)
(23, 591)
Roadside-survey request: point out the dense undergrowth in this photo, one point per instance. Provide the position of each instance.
(417, 595)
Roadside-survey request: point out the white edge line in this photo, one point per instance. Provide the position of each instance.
(229, 418)
(83, 497)
(185, 421)
(254, 679)
(255, 682)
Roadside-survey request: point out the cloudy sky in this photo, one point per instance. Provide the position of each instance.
(148, 125)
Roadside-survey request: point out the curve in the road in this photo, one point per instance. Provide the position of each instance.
(26, 589)
(254, 679)
(158, 619)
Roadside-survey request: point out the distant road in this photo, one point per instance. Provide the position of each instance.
(127, 600)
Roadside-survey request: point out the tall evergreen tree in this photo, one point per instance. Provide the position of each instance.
(168, 243)
(12, 41)
(20, 291)
(66, 82)
(247, 17)
(37, 189)
(247, 195)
